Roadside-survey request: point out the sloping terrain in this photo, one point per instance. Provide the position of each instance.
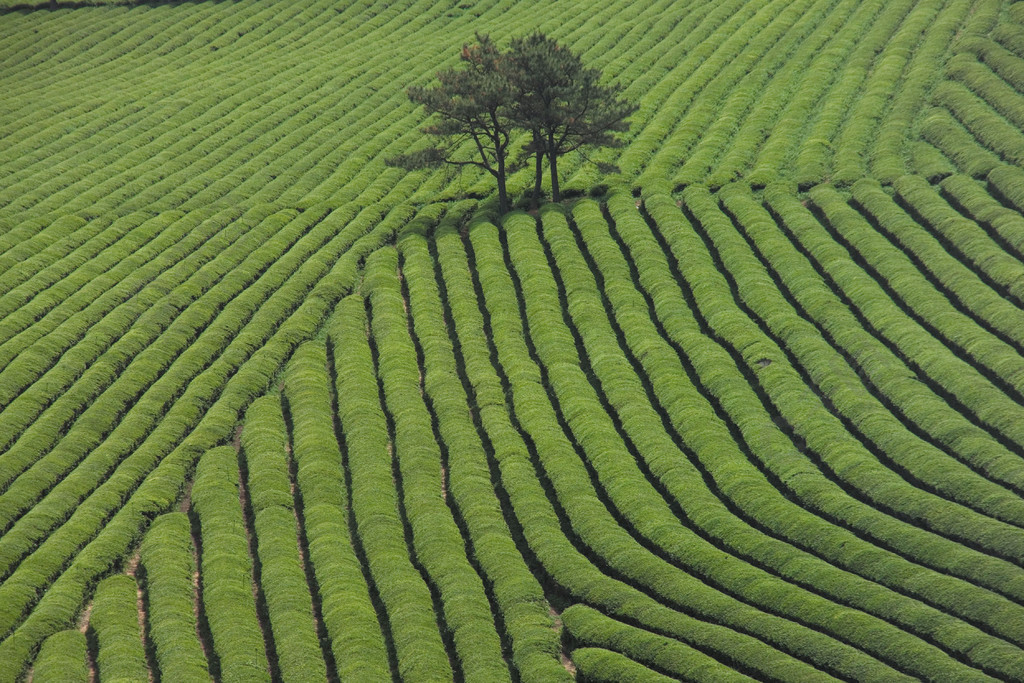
(752, 408)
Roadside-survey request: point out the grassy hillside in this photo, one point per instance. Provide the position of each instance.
(752, 408)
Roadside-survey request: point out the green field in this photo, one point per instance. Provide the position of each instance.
(273, 410)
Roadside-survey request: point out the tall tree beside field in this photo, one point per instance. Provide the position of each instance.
(473, 104)
(562, 103)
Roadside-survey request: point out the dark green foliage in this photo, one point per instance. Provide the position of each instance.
(474, 105)
(562, 103)
(594, 665)
(538, 86)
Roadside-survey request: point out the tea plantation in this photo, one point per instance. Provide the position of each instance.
(273, 410)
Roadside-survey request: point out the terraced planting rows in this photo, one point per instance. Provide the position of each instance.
(752, 408)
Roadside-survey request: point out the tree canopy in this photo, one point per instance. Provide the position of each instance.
(536, 86)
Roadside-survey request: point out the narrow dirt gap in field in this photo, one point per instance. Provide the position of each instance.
(453, 507)
(133, 570)
(563, 652)
(383, 619)
(302, 542)
(202, 623)
(90, 655)
(262, 614)
(447, 635)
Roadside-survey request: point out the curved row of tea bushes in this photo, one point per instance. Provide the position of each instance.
(166, 558)
(289, 603)
(594, 665)
(345, 604)
(665, 101)
(888, 145)
(993, 358)
(436, 539)
(946, 369)
(563, 560)
(730, 576)
(419, 649)
(196, 356)
(298, 141)
(735, 53)
(815, 150)
(793, 110)
(516, 592)
(554, 428)
(800, 77)
(114, 624)
(704, 130)
(39, 415)
(1001, 61)
(589, 628)
(949, 136)
(204, 110)
(881, 370)
(827, 527)
(226, 569)
(106, 264)
(1016, 12)
(903, 459)
(972, 296)
(984, 123)
(963, 237)
(831, 452)
(642, 53)
(1007, 183)
(1011, 36)
(100, 287)
(1004, 225)
(145, 390)
(982, 81)
(62, 659)
(27, 276)
(43, 238)
(763, 551)
(885, 83)
(927, 161)
(158, 469)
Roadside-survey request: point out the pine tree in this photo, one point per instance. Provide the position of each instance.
(537, 86)
(562, 103)
(473, 104)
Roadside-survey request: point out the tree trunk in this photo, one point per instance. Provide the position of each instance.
(538, 179)
(502, 192)
(555, 196)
